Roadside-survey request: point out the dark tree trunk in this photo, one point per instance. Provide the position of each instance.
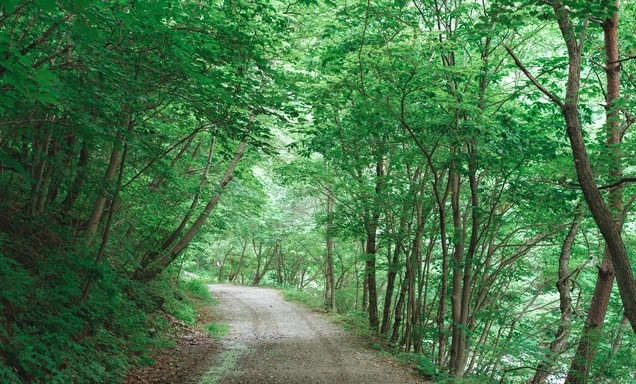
(390, 287)
(600, 211)
(370, 255)
(330, 286)
(371, 249)
(570, 107)
(458, 265)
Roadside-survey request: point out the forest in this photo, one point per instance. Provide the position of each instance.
(454, 175)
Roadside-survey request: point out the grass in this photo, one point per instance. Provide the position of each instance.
(310, 298)
(216, 330)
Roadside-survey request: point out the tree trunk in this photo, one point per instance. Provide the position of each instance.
(459, 236)
(466, 295)
(330, 286)
(414, 264)
(559, 343)
(600, 211)
(399, 308)
(238, 269)
(153, 269)
(102, 194)
(261, 270)
(390, 286)
(279, 263)
(582, 361)
(371, 250)
(441, 313)
(369, 271)
(78, 181)
(195, 201)
(90, 280)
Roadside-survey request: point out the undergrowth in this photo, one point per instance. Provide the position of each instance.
(49, 333)
(216, 330)
(55, 327)
(310, 298)
(356, 322)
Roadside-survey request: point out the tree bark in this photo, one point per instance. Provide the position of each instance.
(390, 287)
(600, 211)
(466, 294)
(591, 336)
(195, 201)
(78, 181)
(441, 313)
(459, 236)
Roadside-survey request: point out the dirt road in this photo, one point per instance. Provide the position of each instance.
(274, 341)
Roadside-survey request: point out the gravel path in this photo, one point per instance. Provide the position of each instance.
(273, 341)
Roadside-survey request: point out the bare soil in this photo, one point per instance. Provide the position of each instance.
(273, 341)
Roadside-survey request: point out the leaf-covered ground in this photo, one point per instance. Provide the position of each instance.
(186, 362)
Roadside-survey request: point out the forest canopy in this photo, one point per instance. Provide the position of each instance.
(455, 175)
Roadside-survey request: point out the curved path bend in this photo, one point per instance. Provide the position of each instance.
(273, 341)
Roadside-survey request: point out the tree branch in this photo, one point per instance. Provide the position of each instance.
(618, 183)
(532, 79)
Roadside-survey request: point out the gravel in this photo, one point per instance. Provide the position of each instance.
(273, 341)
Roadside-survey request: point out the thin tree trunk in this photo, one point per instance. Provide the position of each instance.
(102, 194)
(414, 263)
(78, 181)
(43, 195)
(459, 235)
(237, 271)
(399, 309)
(371, 250)
(265, 268)
(279, 263)
(393, 262)
(330, 286)
(42, 143)
(466, 295)
(390, 286)
(160, 179)
(441, 313)
(90, 280)
(559, 343)
(153, 269)
(195, 201)
(225, 255)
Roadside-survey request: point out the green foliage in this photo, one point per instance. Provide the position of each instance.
(58, 341)
(355, 322)
(430, 370)
(198, 288)
(311, 298)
